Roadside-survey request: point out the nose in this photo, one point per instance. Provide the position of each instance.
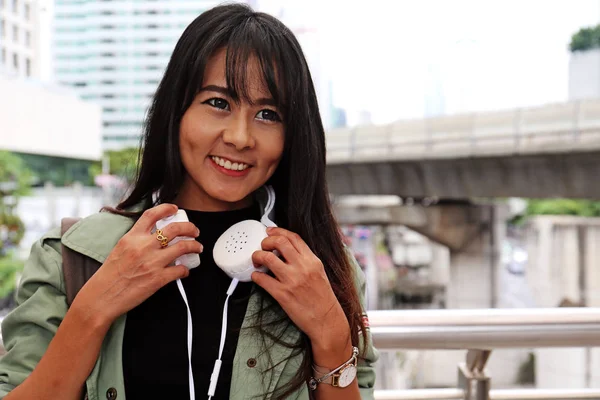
(238, 134)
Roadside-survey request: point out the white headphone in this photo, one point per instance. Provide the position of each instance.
(233, 254)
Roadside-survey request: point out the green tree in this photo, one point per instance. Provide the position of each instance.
(15, 179)
(582, 208)
(122, 163)
(585, 39)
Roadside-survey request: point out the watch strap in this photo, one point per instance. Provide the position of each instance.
(325, 375)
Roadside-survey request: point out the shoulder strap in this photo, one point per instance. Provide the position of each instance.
(77, 268)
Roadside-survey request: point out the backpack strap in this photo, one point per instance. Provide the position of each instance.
(77, 268)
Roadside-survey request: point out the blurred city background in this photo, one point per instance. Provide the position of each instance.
(463, 153)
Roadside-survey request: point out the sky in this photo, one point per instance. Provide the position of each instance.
(401, 59)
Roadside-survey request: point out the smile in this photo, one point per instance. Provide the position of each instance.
(227, 164)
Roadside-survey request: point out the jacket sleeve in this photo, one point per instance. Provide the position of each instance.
(366, 369)
(41, 307)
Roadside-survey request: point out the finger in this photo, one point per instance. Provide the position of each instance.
(270, 284)
(149, 218)
(184, 229)
(272, 262)
(295, 239)
(282, 245)
(168, 255)
(175, 272)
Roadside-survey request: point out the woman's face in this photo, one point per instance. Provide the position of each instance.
(228, 149)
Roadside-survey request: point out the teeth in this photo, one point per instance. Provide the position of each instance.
(229, 165)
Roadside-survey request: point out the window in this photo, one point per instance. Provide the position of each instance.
(3, 59)
(2, 28)
(16, 33)
(16, 61)
(27, 67)
(15, 6)
(27, 12)
(27, 39)
(1, 4)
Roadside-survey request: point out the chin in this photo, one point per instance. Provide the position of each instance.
(230, 196)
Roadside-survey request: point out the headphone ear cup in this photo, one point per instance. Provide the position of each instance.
(234, 248)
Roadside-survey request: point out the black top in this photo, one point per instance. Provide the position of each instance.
(155, 360)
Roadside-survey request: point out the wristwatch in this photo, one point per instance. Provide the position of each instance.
(342, 376)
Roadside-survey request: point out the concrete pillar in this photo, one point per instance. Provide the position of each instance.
(474, 271)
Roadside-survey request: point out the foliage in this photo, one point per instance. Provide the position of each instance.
(122, 163)
(526, 372)
(15, 179)
(583, 208)
(9, 268)
(13, 170)
(585, 39)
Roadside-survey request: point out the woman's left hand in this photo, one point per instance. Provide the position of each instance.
(300, 285)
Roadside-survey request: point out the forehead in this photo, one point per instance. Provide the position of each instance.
(215, 73)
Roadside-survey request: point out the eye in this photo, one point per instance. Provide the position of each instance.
(268, 115)
(218, 103)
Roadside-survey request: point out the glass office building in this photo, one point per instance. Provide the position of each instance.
(114, 52)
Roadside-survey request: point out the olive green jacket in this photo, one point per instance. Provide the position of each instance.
(41, 301)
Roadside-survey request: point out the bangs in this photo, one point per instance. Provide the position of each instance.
(254, 43)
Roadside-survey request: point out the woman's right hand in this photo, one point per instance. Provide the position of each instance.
(138, 266)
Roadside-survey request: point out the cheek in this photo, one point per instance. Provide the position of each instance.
(276, 146)
(192, 134)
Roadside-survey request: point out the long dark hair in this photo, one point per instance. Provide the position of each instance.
(299, 181)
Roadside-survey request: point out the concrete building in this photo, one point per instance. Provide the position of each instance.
(113, 53)
(584, 75)
(20, 37)
(50, 121)
(563, 272)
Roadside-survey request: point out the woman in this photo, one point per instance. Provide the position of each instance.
(235, 111)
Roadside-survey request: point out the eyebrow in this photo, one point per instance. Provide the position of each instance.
(263, 101)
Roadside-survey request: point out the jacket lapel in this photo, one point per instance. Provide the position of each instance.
(256, 372)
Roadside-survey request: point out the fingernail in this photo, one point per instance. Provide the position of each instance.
(270, 229)
(197, 232)
(201, 248)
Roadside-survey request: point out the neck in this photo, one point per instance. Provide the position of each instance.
(191, 197)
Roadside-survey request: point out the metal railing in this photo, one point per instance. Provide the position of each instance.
(481, 331)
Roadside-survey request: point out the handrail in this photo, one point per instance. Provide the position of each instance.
(503, 394)
(485, 328)
(480, 331)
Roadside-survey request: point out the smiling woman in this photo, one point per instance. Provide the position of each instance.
(234, 117)
(222, 138)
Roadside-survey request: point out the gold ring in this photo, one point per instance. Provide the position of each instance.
(164, 241)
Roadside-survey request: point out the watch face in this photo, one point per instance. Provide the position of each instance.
(347, 376)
